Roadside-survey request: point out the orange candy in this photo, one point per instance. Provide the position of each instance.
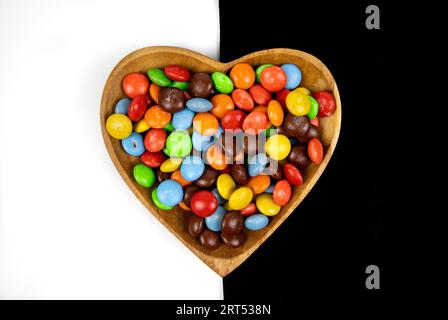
(221, 104)
(184, 206)
(156, 117)
(154, 91)
(216, 158)
(255, 123)
(259, 183)
(176, 176)
(205, 123)
(275, 113)
(242, 75)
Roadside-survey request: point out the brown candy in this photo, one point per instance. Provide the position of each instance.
(195, 225)
(232, 223)
(252, 147)
(276, 174)
(313, 132)
(163, 175)
(232, 144)
(296, 126)
(239, 174)
(208, 178)
(201, 85)
(299, 156)
(189, 192)
(209, 239)
(234, 241)
(172, 100)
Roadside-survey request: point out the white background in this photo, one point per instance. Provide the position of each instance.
(69, 226)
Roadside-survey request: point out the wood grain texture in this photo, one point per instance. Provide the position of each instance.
(316, 77)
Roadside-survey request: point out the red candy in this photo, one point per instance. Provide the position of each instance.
(137, 107)
(315, 150)
(255, 122)
(249, 210)
(273, 78)
(204, 203)
(243, 99)
(282, 192)
(261, 95)
(281, 97)
(292, 174)
(315, 121)
(177, 73)
(153, 159)
(233, 120)
(155, 140)
(135, 84)
(326, 102)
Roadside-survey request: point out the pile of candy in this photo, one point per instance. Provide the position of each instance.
(228, 149)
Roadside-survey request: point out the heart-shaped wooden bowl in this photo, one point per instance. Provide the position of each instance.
(316, 77)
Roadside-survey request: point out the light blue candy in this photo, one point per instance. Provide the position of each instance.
(220, 199)
(256, 164)
(199, 105)
(214, 221)
(183, 120)
(133, 144)
(200, 142)
(256, 222)
(122, 106)
(270, 189)
(192, 168)
(170, 192)
(293, 75)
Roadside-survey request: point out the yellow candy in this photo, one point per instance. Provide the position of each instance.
(278, 147)
(266, 205)
(171, 164)
(141, 126)
(240, 198)
(119, 126)
(303, 90)
(225, 185)
(298, 103)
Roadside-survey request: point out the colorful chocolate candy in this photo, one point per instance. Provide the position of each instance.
(227, 149)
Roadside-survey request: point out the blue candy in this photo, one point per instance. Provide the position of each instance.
(270, 189)
(122, 106)
(200, 142)
(170, 192)
(214, 221)
(220, 199)
(192, 168)
(133, 144)
(256, 164)
(199, 105)
(293, 141)
(256, 222)
(183, 120)
(293, 75)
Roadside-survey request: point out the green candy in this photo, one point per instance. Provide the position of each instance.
(180, 85)
(270, 132)
(222, 82)
(158, 77)
(178, 144)
(169, 127)
(260, 69)
(157, 202)
(144, 175)
(314, 108)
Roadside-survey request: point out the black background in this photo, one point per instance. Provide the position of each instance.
(325, 246)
